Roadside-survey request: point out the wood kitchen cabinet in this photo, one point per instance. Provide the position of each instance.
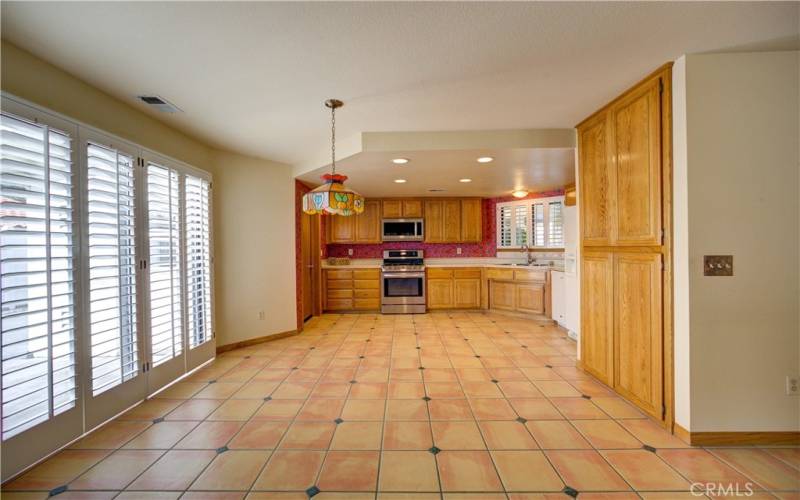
(471, 220)
(453, 288)
(517, 290)
(597, 319)
(625, 185)
(351, 289)
(368, 223)
(453, 220)
(362, 228)
(402, 209)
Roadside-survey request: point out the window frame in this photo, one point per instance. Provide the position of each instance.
(528, 203)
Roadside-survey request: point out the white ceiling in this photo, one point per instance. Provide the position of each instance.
(251, 77)
(533, 169)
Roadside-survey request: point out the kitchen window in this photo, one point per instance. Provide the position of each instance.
(535, 223)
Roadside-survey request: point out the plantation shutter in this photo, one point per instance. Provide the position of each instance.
(163, 212)
(555, 234)
(112, 267)
(37, 248)
(504, 224)
(198, 260)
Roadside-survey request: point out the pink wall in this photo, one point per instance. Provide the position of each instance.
(486, 248)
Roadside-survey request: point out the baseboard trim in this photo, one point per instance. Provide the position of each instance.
(256, 341)
(738, 438)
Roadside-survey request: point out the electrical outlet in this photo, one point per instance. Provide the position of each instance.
(458, 250)
(261, 315)
(350, 252)
(792, 385)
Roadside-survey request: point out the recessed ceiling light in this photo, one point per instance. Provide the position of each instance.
(400, 181)
(400, 161)
(465, 180)
(519, 193)
(485, 159)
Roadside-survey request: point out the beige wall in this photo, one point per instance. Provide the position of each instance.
(254, 247)
(253, 199)
(740, 196)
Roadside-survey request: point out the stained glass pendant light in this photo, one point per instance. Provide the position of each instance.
(332, 197)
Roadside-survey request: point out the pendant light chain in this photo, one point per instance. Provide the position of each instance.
(333, 139)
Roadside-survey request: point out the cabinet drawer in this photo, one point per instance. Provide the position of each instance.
(366, 303)
(467, 272)
(525, 275)
(366, 284)
(499, 274)
(339, 284)
(339, 304)
(340, 294)
(439, 272)
(339, 274)
(371, 293)
(366, 274)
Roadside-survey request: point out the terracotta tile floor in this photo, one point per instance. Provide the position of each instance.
(436, 406)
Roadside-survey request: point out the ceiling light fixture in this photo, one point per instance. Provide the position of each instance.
(519, 193)
(400, 181)
(465, 180)
(485, 159)
(332, 197)
(400, 161)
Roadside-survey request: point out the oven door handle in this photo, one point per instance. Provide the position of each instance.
(403, 275)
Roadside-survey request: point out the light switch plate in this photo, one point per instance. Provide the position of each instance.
(718, 265)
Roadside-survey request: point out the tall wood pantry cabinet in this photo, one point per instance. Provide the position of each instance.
(625, 187)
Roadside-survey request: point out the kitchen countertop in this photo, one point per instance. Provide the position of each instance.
(449, 262)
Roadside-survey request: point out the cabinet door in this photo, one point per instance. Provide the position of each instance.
(434, 221)
(501, 295)
(636, 129)
(452, 221)
(392, 209)
(638, 333)
(467, 293)
(596, 182)
(440, 293)
(342, 229)
(412, 208)
(471, 220)
(530, 298)
(368, 223)
(597, 315)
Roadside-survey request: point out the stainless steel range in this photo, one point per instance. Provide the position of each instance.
(402, 282)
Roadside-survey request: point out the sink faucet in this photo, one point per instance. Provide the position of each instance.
(528, 254)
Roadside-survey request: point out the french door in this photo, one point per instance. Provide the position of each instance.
(41, 299)
(111, 258)
(106, 273)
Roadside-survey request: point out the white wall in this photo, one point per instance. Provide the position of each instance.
(738, 194)
(680, 245)
(253, 199)
(254, 244)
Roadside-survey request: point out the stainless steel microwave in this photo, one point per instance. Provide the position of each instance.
(403, 230)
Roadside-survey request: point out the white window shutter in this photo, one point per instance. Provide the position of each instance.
(198, 260)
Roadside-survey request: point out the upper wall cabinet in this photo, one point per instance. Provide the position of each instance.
(620, 170)
(362, 228)
(453, 220)
(636, 152)
(398, 209)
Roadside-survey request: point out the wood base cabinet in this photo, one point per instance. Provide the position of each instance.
(351, 290)
(453, 288)
(521, 290)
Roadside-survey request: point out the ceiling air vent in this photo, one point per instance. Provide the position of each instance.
(436, 190)
(159, 103)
